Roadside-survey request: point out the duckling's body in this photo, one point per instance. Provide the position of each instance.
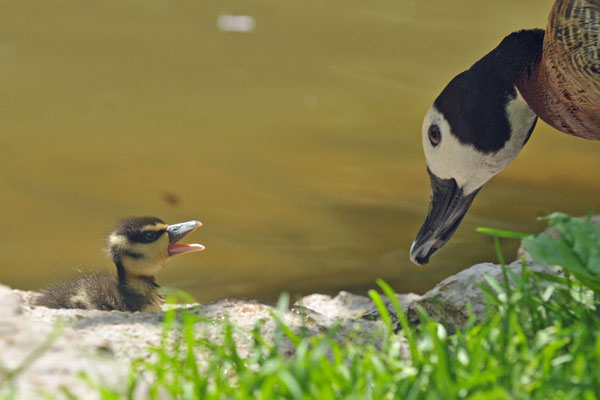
(482, 119)
(139, 247)
(103, 291)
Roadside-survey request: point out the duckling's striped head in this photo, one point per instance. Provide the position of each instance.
(141, 246)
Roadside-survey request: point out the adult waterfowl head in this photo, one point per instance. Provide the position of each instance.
(485, 115)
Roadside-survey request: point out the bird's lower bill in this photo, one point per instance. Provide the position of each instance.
(176, 249)
(447, 209)
(177, 232)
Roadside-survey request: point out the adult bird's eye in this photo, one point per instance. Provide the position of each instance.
(149, 237)
(435, 136)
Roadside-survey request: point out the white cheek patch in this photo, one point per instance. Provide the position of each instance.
(451, 159)
(117, 240)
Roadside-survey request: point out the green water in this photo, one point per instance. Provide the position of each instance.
(297, 144)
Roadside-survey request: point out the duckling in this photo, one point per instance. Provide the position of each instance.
(482, 119)
(140, 247)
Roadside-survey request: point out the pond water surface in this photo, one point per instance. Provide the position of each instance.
(296, 144)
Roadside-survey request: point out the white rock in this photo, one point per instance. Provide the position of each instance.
(102, 344)
(447, 301)
(348, 306)
(11, 302)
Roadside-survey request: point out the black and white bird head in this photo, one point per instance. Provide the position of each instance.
(474, 129)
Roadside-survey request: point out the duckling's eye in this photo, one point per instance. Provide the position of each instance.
(435, 136)
(148, 237)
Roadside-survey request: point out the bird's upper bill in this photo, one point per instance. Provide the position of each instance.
(177, 232)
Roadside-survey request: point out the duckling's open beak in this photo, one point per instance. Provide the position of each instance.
(177, 232)
(448, 207)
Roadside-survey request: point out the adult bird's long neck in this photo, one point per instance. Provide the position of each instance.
(519, 60)
(544, 99)
(540, 76)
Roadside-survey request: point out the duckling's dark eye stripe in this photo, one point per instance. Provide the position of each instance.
(139, 237)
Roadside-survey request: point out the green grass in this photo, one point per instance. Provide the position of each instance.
(537, 340)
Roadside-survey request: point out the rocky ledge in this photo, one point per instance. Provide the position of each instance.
(102, 344)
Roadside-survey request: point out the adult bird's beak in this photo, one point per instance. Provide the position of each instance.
(448, 207)
(177, 232)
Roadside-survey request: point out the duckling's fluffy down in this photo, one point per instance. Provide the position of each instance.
(101, 291)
